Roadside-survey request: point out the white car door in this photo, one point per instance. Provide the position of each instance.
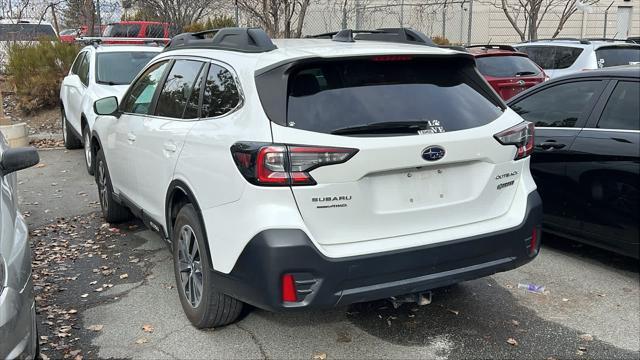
(161, 136)
(136, 105)
(76, 85)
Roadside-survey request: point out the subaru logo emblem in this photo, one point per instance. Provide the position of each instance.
(433, 153)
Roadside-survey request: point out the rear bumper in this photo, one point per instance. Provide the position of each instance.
(327, 282)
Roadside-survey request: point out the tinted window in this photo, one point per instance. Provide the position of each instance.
(25, 32)
(558, 106)
(177, 88)
(506, 66)
(615, 56)
(77, 62)
(141, 92)
(83, 69)
(122, 30)
(623, 108)
(552, 57)
(220, 92)
(334, 95)
(193, 105)
(119, 68)
(154, 31)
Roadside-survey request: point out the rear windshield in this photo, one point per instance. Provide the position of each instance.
(25, 32)
(615, 56)
(334, 95)
(552, 57)
(506, 66)
(122, 30)
(119, 68)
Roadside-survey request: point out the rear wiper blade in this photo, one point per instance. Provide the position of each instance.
(383, 127)
(520, 73)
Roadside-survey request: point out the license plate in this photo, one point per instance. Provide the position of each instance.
(424, 186)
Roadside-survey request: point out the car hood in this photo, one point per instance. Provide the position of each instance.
(102, 91)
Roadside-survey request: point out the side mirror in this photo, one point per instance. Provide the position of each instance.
(18, 159)
(106, 106)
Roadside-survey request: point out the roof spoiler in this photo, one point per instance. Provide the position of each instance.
(397, 35)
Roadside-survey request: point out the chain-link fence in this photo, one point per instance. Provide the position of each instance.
(467, 21)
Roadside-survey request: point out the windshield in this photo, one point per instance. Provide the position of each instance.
(25, 32)
(122, 30)
(335, 95)
(615, 56)
(69, 32)
(119, 68)
(552, 57)
(506, 66)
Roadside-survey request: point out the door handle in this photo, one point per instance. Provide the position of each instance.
(131, 137)
(551, 144)
(170, 146)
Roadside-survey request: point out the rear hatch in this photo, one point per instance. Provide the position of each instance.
(509, 75)
(418, 133)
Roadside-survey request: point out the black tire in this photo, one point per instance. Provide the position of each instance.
(88, 155)
(112, 211)
(213, 309)
(71, 141)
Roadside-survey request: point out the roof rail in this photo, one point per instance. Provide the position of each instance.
(489, 46)
(608, 39)
(249, 40)
(581, 41)
(397, 35)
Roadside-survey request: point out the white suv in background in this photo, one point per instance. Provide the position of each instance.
(98, 71)
(562, 56)
(22, 31)
(316, 172)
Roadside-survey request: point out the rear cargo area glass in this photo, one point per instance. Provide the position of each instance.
(616, 56)
(552, 57)
(506, 66)
(331, 95)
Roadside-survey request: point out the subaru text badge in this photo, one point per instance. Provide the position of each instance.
(433, 153)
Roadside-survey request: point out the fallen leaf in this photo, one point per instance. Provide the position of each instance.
(95, 327)
(586, 337)
(142, 341)
(124, 276)
(40, 166)
(319, 356)
(565, 299)
(72, 311)
(455, 312)
(84, 295)
(515, 322)
(512, 341)
(147, 328)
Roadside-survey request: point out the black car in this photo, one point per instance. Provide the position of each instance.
(587, 155)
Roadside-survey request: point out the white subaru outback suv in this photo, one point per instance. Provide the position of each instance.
(317, 172)
(97, 72)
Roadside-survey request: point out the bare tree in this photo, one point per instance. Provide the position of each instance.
(278, 17)
(534, 12)
(179, 12)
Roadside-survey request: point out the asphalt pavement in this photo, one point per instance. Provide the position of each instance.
(109, 292)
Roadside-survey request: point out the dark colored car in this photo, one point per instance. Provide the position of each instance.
(587, 155)
(508, 71)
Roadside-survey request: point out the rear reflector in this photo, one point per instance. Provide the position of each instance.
(521, 136)
(289, 293)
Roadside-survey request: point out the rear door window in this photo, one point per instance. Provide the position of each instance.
(615, 56)
(332, 96)
(177, 88)
(506, 66)
(559, 106)
(552, 57)
(623, 107)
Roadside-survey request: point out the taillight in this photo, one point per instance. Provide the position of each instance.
(521, 136)
(284, 165)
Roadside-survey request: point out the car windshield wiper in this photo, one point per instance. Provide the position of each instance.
(401, 127)
(521, 73)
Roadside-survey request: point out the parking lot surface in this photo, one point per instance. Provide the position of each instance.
(109, 291)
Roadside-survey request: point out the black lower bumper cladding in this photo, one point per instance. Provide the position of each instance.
(326, 282)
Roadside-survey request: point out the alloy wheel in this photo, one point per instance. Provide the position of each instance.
(64, 127)
(190, 266)
(87, 149)
(102, 187)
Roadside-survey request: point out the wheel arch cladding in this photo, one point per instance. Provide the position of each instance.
(178, 195)
(96, 145)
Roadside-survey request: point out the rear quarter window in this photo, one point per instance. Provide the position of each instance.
(331, 95)
(552, 57)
